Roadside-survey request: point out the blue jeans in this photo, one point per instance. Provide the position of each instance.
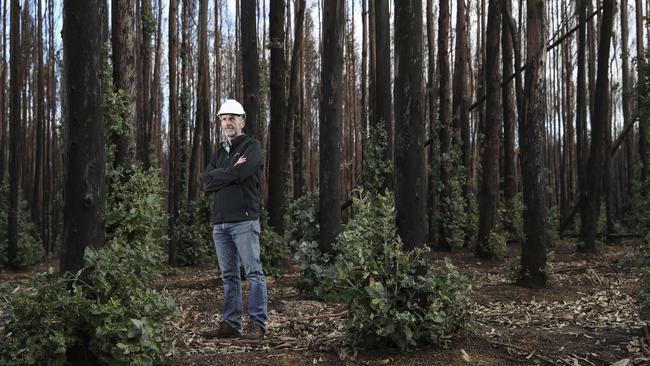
(234, 242)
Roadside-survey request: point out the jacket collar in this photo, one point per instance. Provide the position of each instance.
(235, 142)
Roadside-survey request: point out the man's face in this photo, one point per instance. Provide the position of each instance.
(231, 124)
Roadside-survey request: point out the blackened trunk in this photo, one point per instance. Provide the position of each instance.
(278, 150)
(124, 79)
(410, 182)
(15, 134)
(172, 186)
(84, 132)
(330, 124)
(509, 168)
(382, 80)
(489, 198)
(294, 101)
(250, 65)
(531, 134)
(444, 88)
(595, 165)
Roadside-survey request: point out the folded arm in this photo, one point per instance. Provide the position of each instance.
(215, 178)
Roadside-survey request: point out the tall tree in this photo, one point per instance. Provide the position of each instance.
(293, 118)
(410, 182)
(460, 97)
(204, 97)
(278, 151)
(83, 223)
(433, 207)
(202, 120)
(123, 30)
(173, 188)
(444, 87)
(489, 199)
(84, 132)
(3, 96)
(581, 107)
(382, 79)
(627, 91)
(509, 170)
(250, 65)
(14, 133)
(39, 158)
(331, 99)
(644, 130)
(595, 165)
(531, 134)
(145, 120)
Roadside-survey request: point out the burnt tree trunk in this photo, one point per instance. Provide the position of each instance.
(382, 80)
(123, 30)
(250, 65)
(489, 198)
(410, 182)
(278, 150)
(294, 119)
(330, 124)
(507, 94)
(531, 136)
(14, 133)
(433, 199)
(444, 87)
(173, 164)
(84, 152)
(595, 165)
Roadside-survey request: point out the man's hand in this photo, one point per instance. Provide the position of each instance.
(242, 160)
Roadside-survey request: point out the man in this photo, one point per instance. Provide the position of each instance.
(233, 176)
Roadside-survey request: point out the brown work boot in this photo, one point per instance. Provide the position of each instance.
(224, 331)
(254, 332)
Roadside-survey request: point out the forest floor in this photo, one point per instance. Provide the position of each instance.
(586, 317)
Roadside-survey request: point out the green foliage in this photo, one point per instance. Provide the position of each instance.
(316, 270)
(643, 267)
(109, 310)
(376, 168)
(453, 205)
(301, 219)
(192, 234)
(512, 218)
(30, 248)
(113, 311)
(496, 243)
(553, 223)
(394, 297)
(39, 327)
(274, 249)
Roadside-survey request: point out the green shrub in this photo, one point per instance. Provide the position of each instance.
(453, 205)
(301, 220)
(274, 249)
(394, 297)
(192, 234)
(30, 248)
(643, 267)
(512, 218)
(376, 168)
(109, 311)
(113, 312)
(316, 270)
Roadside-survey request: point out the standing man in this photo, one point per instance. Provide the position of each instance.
(233, 175)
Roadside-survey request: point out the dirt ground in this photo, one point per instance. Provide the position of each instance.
(586, 317)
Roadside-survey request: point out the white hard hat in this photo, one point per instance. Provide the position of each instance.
(232, 106)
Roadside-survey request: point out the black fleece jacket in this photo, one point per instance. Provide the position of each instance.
(236, 188)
